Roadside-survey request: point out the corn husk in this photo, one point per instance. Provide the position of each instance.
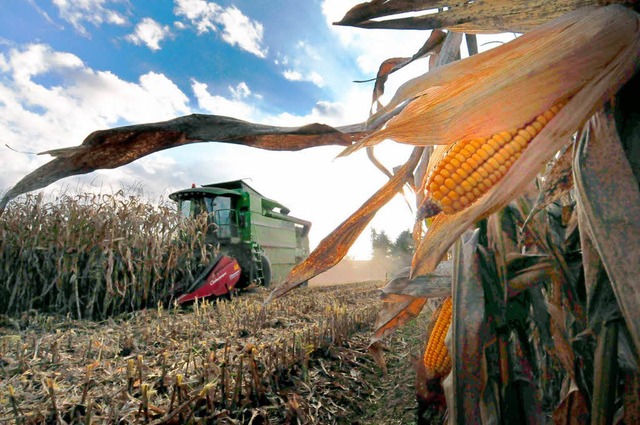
(583, 57)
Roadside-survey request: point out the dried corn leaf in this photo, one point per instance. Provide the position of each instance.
(119, 146)
(480, 16)
(433, 285)
(610, 198)
(467, 331)
(335, 246)
(557, 182)
(573, 409)
(431, 47)
(393, 315)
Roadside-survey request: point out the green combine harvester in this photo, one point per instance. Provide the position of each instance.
(255, 238)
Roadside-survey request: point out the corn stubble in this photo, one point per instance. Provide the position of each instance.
(223, 362)
(94, 256)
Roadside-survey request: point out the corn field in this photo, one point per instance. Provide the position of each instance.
(94, 256)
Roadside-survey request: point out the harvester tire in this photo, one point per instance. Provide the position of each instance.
(266, 271)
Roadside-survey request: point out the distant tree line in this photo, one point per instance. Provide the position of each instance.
(384, 248)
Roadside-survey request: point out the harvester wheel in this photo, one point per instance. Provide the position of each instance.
(266, 271)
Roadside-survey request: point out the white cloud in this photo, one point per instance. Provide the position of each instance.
(237, 28)
(313, 77)
(96, 12)
(149, 33)
(240, 91)
(36, 117)
(292, 75)
(235, 106)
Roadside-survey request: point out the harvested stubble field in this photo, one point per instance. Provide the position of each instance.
(302, 359)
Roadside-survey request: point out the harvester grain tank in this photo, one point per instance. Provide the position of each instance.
(255, 238)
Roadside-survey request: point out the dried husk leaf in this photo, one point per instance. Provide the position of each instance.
(544, 66)
(432, 285)
(486, 16)
(116, 147)
(610, 200)
(395, 314)
(611, 76)
(335, 246)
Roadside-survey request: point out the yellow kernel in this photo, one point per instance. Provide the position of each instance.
(460, 190)
(464, 201)
(483, 172)
(548, 114)
(445, 201)
(466, 167)
(493, 163)
(454, 162)
(520, 141)
(476, 143)
(495, 144)
(466, 185)
(453, 195)
(461, 158)
(447, 209)
(487, 167)
(445, 173)
(475, 177)
(507, 136)
(449, 183)
(473, 161)
(523, 134)
(469, 149)
(438, 179)
(532, 131)
(456, 178)
(509, 149)
(499, 156)
(449, 166)
(542, 120)
(502, 170)
(437, 195)
(477, 192)
(538, 126)
(433, 187)
(482, 152)
(494, 177)
(483, 187)
(456, 205)
(460, 171)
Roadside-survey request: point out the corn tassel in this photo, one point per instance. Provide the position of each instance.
(471, 167)
(437, 360)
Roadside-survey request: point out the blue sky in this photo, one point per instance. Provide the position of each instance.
(69, 67)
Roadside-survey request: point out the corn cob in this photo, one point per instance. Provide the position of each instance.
(471, 167)
(437, 360)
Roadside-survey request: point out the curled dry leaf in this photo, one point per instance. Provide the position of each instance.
(119, 146)
(335, 246)
(487, 16)
(431, 47)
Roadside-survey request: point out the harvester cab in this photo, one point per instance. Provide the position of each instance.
(253, 238)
